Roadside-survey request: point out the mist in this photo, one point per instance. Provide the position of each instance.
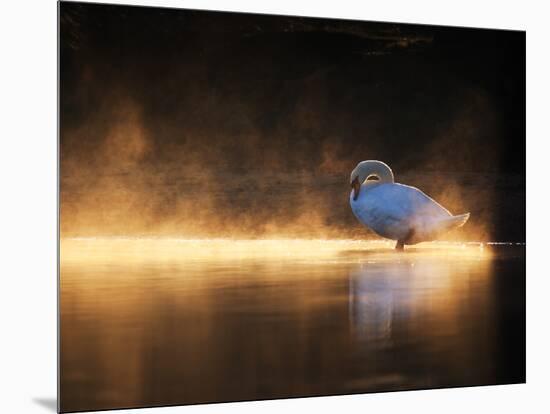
(201, 124)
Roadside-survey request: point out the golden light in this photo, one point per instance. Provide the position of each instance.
(174, 250)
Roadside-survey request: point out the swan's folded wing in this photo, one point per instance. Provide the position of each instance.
(410, 201)
(387, 218)
(390, 224)
(394, 210)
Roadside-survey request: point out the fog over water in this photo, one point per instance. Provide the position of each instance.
(198, 124)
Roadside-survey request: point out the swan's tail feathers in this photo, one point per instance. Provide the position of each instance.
(444, 225)
(454, 222)
(461, 219)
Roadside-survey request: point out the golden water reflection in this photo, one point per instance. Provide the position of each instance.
(149, 322)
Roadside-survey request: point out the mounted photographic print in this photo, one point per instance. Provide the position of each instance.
(256, 207)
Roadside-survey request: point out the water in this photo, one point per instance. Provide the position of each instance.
(160, 322)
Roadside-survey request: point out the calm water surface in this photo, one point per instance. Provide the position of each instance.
(158, 322)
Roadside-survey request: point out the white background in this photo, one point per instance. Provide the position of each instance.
(28, 205)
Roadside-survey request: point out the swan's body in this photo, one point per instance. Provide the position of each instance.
(396, 211)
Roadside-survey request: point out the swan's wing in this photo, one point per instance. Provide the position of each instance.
(401, 212)
(391, 222)
(395, 210)
(381, 208)
(406, 202)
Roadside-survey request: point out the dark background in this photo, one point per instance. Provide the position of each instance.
(206, 123)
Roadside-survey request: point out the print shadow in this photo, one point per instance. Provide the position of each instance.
(48, 403)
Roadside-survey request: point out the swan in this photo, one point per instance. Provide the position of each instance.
(396, 211)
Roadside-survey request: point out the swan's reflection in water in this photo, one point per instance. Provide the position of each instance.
(153, 322)
(371, 304)
(381, 291)
(432, 319)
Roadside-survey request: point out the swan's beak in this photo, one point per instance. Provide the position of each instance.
(356, 188)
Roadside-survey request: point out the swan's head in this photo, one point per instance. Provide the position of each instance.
(367, 169)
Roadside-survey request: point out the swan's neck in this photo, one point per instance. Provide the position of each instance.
(377, 169)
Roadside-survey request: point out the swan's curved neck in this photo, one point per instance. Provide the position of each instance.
(374, 168)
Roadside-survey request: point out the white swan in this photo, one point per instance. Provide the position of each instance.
(396, 211)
